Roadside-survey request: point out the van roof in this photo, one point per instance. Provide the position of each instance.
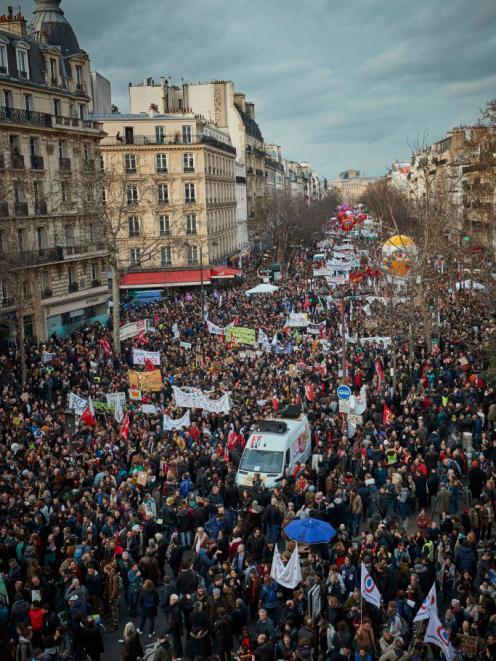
(291, 424)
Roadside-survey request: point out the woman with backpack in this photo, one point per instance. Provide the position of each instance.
(148, 602)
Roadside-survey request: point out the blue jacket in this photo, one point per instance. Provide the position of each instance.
(465, 559)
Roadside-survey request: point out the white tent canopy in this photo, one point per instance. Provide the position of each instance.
(263, 288)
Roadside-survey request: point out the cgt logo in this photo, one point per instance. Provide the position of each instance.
(368, 583)
(441, 632)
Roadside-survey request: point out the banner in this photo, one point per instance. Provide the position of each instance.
(180, 423)
(47, 356)
(140, 355)
(428, 606)
(146, 381)
(297, 320)
(289, 576)
(113, 397)
(263, 338)
(132, 329)
(241, 334)
(78, 404)
(195, 399)
(215, 330)
(134, 394)
(185, 345)
(149, 408)
(316, 329)
(369, 589)
(436, 634)
(386, 341)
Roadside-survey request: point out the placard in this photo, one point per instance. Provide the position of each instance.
(146, 381)
(242, 335)
(132, 329)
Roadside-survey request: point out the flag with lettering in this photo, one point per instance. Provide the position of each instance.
(369, 589)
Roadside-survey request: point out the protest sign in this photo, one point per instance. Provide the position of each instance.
(241, 334)
(112, 398)
(179, 423)
(140, 355)
(146, 381)
(185, 345)
(196, 399)
(133, 328)
(135, 394)
(297, 319)
(77, 404)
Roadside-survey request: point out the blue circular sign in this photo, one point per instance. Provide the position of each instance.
(344, 391)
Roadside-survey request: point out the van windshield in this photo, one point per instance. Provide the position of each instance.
(261, 461)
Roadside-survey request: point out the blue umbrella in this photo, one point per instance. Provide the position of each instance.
(310, 531)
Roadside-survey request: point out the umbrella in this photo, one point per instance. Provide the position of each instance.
(310, 531)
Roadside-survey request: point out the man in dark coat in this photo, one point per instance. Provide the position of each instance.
(175, 625)
(223, 638)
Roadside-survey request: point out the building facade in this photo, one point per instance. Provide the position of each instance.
(351, 186)
(178, 174)
(52, 268)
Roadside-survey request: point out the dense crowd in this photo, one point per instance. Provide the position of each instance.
(86, 547)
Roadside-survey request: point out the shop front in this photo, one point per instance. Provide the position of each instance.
(66, 318)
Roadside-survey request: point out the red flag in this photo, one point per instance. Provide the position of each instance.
(141, 338)
(309, 392)
(156, 319)
(149, 366)
(106, 348)
(380, 374)
(387, 415)
(275, 403)
(124, 432)
(306, 303)
(88, 415)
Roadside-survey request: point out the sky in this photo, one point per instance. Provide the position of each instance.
(338, 84)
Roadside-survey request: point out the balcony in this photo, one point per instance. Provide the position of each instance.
(76, 251)
(137, 140)
(4, 210)
(36, 162)
(190, 200)
(54, 81)
(191, 230)
(40, 208)
(189, 169)
(46, 293)
(21, 208)
(80, 88)
(162, 169)
(42, 256)
(65, 164)
(19, 116)
(75, 122)
(96, 283)
(17, 161)
(250, 170)
(73, 286)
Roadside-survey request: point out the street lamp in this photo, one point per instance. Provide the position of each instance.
(204, 242)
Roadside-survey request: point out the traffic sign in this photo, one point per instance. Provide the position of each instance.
(344, 391)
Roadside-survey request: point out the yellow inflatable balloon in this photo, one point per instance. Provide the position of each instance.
(398, 253)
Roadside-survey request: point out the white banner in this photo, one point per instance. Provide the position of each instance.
(215, 330)
(78, 404)
(369, 589)
(185, 345)
(132, 329)
(47, 356)
(315, 329)
(113, 397)
(139, 357)
(195, 399)
(149, 408)
(288, 575)
(170, 424)
(297, 320)
(386, 341)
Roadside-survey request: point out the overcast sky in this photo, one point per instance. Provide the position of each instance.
(339, 84)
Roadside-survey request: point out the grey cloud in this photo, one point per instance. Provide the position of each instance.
(338, 84)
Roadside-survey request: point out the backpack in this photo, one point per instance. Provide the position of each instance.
(148, 599)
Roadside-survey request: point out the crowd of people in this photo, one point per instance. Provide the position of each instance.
(182, 558)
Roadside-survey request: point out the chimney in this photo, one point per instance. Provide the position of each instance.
(250, 110)
(239, 100)
(14, 24)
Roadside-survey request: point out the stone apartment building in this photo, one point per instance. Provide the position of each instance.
(179, 209)
(351, 186)
(462, 168)
(52, 268)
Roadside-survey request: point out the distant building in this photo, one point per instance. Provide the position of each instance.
(101, 93)
(351, 186)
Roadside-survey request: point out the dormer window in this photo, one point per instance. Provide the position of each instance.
(53, 72)
(22, 63)
(79, 78)
(4, 64)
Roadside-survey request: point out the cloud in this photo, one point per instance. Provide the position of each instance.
(338, 84)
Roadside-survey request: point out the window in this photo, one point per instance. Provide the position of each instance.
(160, 135)
(4, 65)
(28, 102)
(161, 162)
(135, 256)
(192, 255)
(53, 72)
(57, 107)
(79, 77)
(95, 272)
(7, 99)
(164, 225)
(45, 281)
(163, 194)
(132, 195)
(69, 235)
(188, 163)
(187, 135)
(87, 152)
(82, 111)
(62, 149)
(189, 193)
(71, 276)
(22, 63)
(91, 233)
(21, 240)
(166, 256)
(190, 223)
(133, 225)
(41, 238)
(4, 292)
(64, 191)
(130, 162)
(37, 191)
(104, 196)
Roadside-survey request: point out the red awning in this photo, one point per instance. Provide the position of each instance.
(218, 272)
(154, 279)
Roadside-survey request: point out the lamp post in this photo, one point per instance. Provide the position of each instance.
(204, 242)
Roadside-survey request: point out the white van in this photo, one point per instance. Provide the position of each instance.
(275, 444)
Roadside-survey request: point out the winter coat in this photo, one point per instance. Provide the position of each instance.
(223, 639)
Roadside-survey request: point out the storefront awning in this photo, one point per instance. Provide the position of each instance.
(220, 272)
(154, 279)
